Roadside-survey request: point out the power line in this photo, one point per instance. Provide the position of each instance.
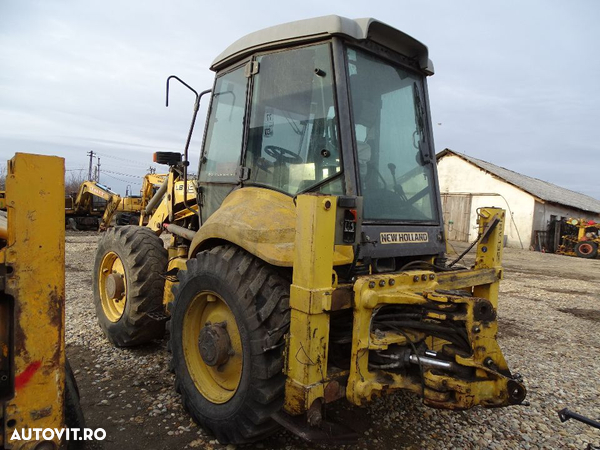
(122, 181)
(122, 174)
(123, 166)
(122, 159)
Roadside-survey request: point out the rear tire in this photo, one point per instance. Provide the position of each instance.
(256, 297)
(138, 257)
(586, 249)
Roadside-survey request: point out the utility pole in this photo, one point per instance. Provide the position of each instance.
(98, 173)
(151, 170)
(91, 155)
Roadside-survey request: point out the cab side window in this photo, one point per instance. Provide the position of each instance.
(224, 139)
(223, 145)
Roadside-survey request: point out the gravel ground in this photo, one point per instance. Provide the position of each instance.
(549, 330)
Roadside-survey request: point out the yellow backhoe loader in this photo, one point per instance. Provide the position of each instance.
(37, 387)
(306, 261)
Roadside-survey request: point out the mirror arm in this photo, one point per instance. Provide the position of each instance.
(186, 163)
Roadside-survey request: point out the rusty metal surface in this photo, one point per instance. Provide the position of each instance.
(35, 256)
(310, 297)
(341, 298)
(475, 375)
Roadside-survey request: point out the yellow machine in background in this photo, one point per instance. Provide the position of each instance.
(127, 213)
(37, 389)
(128, 210)
(131, 209)
(306, 260)
(585, 243)
(82, 212)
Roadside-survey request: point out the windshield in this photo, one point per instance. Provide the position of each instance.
(396, 182)
(292, 141)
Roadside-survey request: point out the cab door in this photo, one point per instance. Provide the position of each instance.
(224, 139)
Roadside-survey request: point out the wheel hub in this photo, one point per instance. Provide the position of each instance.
(112, 286)
(115, 286)
(214, 344)
(212, 347)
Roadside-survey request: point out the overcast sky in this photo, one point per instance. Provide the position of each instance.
(517, 83)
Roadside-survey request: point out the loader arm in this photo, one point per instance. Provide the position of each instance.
(165, 204)
(152, 181)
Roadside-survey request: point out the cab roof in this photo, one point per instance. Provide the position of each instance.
(303, 31)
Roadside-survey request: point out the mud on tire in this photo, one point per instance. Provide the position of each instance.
(144, 260)
(258, 297)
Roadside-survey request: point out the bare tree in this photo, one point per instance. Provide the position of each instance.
(73, 180)
(2, 177)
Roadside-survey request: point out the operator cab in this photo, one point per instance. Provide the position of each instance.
(336, 106)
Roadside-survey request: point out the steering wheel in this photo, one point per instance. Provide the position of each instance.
(283, 154)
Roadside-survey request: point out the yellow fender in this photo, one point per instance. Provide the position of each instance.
(262, 222)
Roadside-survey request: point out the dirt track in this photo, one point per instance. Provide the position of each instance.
(549, 322)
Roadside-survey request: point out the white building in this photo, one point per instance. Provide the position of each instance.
(467, 183)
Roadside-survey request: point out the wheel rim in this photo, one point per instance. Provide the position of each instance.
(585, 249)
(212, 347)
(112, 286)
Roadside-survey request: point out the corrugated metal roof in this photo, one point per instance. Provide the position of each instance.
(541, 189)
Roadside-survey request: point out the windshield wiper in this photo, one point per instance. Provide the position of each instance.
(419, 121)
(418, 110)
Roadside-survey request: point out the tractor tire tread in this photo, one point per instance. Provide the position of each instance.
(145, 259)
(264, 296)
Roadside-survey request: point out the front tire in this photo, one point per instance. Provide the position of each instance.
(229, 318)
(128, 285)
(586, 249)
